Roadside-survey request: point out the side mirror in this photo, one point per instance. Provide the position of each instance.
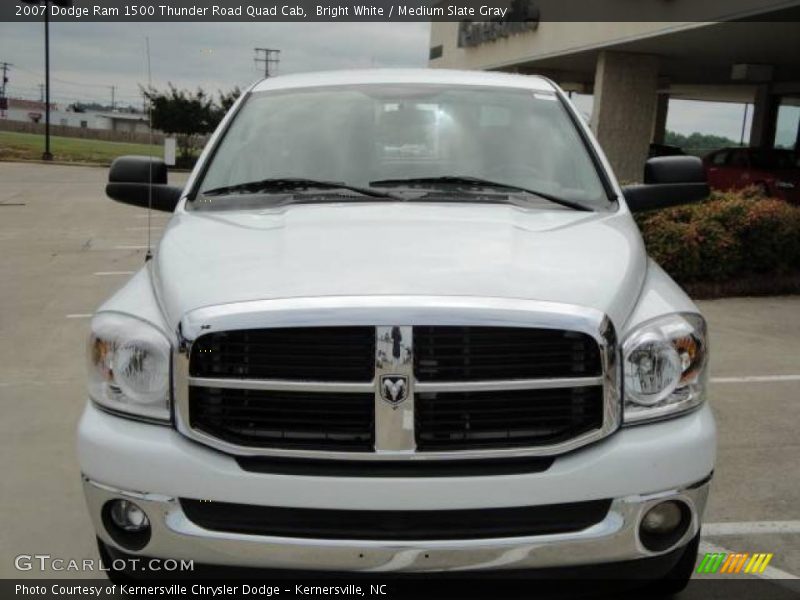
(129, 182)
(668, 181)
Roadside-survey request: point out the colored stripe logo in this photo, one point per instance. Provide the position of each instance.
(734, 562)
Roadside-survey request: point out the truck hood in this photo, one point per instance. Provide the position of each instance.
(460, 249)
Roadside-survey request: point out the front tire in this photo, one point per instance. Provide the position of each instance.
(114, 575)
(678, 577)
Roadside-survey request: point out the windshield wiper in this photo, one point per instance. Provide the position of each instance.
(475, 182)
(292, 184)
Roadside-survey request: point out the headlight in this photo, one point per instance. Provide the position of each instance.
(129, 364)
(664, 365)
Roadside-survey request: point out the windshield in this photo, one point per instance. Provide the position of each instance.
(377, 136)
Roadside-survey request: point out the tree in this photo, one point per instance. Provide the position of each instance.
(189, 116)
(227, 100)
(698, 144)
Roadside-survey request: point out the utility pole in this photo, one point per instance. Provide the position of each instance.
(270, 57)
(41, 93)
(113, 91)
(47, 155)
(3, 100)
(5, 66)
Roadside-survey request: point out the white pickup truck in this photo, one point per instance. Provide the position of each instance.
(401, 321)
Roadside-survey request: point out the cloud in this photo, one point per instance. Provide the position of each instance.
(88, 58)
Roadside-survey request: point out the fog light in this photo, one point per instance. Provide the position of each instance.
(664, 525)
(128, 517)
(126, 523)
(662, 518)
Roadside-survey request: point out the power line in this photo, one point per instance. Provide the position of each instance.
(270, 57)
(81, 84)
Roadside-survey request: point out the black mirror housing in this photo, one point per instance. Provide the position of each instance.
(674, 169)
(137, 169)
(129, 182)
(668, 181)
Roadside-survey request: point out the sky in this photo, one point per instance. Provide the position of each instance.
(88, 58)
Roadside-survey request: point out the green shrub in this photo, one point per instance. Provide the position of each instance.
(729, 236)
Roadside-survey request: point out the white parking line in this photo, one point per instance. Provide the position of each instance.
(79, 316)
(104, 273)
(755, 379)
(769, 573)
(750, 528)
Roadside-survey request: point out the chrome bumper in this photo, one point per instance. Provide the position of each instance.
(613, 539)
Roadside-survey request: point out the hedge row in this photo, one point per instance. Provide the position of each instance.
(730, 236)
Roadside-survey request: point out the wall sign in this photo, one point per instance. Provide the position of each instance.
(522, 18)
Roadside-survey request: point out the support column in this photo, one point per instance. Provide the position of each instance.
(624, 112)
(660, 122)
(765, 117)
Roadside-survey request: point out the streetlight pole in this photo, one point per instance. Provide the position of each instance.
(47, 155)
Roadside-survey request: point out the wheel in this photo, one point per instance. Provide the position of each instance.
(114, 575)
(678, 577)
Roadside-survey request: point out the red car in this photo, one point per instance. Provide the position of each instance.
(775, 172)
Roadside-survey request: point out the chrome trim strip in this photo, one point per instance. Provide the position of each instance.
(408, 311)
(507, 384)
(615, 538)
(281, 385)
(390, 310)
(394, 421)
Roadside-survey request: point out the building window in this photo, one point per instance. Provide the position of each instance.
(84, 124)
(436, 52)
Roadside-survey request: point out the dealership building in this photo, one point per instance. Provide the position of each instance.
(745, 51)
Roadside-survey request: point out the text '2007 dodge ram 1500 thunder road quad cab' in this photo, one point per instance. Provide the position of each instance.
(401, 321)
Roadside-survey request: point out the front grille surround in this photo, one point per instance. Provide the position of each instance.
(359, 312)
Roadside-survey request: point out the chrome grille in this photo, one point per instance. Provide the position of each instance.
(527, 387)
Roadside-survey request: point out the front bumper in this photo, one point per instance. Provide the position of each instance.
(637, 468)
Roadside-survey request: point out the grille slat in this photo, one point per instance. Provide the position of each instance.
(343, 421)
(463, 420)
(490, 353)
(309, 354)
(395, 524)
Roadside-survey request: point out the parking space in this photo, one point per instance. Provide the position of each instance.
(64, 248)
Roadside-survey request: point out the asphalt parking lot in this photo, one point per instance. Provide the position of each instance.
(64, 248)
